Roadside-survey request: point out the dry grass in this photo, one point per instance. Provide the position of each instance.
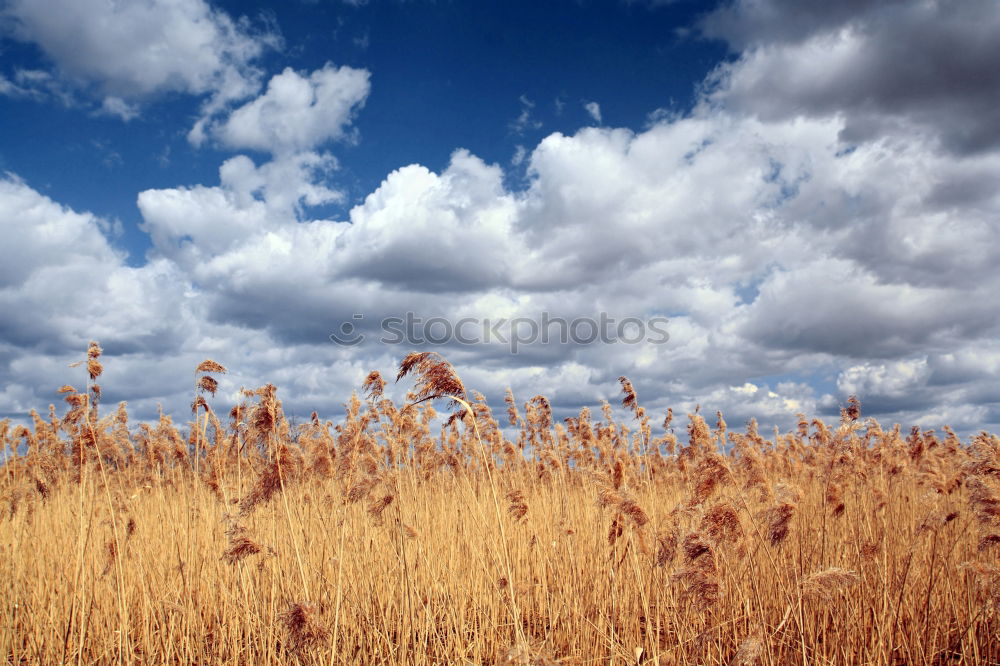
(376, 541)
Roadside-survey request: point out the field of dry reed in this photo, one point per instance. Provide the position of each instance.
(239, 539)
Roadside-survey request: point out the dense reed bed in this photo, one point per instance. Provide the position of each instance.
(240, 539)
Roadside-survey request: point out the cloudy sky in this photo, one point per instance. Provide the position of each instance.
(806, 189)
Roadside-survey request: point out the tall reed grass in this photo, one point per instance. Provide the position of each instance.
(382, 540)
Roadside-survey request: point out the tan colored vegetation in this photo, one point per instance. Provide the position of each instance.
(590, 541)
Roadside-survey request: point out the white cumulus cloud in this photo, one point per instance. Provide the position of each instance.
(129, 51)
(297, 112)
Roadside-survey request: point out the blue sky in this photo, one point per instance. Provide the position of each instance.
(806, 189)
(445, 75)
